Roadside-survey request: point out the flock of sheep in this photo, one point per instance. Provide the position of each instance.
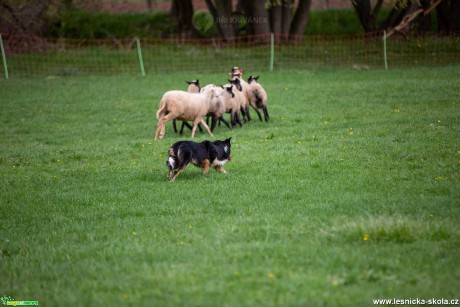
(213, 101)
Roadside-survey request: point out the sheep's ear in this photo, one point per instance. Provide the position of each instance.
(257, 78)
(189, 82)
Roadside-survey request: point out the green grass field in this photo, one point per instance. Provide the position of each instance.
(350, 193)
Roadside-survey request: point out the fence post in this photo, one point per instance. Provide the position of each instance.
(385, 49)
(139, 54)
(4, 57)
(272, 50)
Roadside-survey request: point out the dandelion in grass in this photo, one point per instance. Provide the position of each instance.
(271, 275)
(133, 163)
(350, 131)
(365, 237)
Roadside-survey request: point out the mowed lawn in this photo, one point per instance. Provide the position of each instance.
(350, 193)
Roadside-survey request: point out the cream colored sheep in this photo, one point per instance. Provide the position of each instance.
(193, 87)
(234, 105)
(258, 97)
(184, 106)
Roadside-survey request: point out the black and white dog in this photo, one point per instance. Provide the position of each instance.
(205, 155)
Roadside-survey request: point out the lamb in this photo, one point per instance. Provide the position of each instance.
(184, 106)
(258, 97)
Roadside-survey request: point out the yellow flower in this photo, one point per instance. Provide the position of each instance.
(365, 237)
(271, 275)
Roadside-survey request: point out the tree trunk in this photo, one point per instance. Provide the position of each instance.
(260, 19)
(287, 17)
(182, 12)
(366, 14)
(276, 17)
(448, 13)
(300, 19)
(222, 13)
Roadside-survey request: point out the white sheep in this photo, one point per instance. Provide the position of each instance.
(184, 106)
(258, 97)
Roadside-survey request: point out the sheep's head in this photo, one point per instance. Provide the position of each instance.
(236, 72)
(252, 79)
(194, 83)
(237, 83)
(229, 90)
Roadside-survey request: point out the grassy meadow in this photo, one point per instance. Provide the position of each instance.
(350, 193)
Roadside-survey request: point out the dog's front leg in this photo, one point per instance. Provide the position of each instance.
(220, 169)
(206, 165)
(177, 173)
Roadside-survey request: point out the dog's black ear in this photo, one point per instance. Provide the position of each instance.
(228, 140)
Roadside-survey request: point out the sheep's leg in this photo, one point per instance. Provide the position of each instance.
(248, 114)
(158, 131)
(206, 127)
(257, 111)
(267, 117)
(238, 119)
(222, 119)
(185, 123)
(162, 125)
(174, 126)
(196, 121)
(243, 112)
(213, 123)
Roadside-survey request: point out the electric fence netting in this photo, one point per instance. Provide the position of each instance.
(25, 56)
